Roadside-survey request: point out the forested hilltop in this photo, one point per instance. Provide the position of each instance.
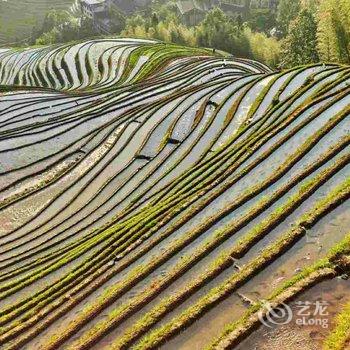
(285, 34)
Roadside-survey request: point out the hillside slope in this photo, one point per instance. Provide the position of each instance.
(18, 17)
(146, 186)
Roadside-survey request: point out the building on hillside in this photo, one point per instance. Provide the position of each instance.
(142, 3)
(90, 8)
(264, 4)
(128, 7)
(193, 11)
(234, 7)
(102, 23)
(101, 12)
(273, 4)
(125, 6)
(97, 11)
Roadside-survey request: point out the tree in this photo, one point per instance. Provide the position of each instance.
(54, 18)
(218, 31)
(239, 20)
(264, 49)
(287, 11)
(48, 38)
(311, 5)
(154, 20)
(118, 20)
(300, 46)
(86, 28)
(69, 31)
(333, 31)
(62, 27)
(262, 20)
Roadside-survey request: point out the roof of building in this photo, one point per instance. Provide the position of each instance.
(227, 6)
(186, 6)
(126, 6)
(92, 2)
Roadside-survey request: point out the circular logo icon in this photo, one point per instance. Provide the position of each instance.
(271, 316)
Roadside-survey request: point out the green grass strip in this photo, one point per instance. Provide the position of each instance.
(157, 336)
(340, 335)
(324, 268)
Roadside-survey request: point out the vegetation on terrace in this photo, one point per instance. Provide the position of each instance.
(142, 185)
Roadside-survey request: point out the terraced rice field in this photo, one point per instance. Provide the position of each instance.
(154, 196)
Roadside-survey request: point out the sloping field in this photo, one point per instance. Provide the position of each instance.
(154, 196)
(18, 17)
